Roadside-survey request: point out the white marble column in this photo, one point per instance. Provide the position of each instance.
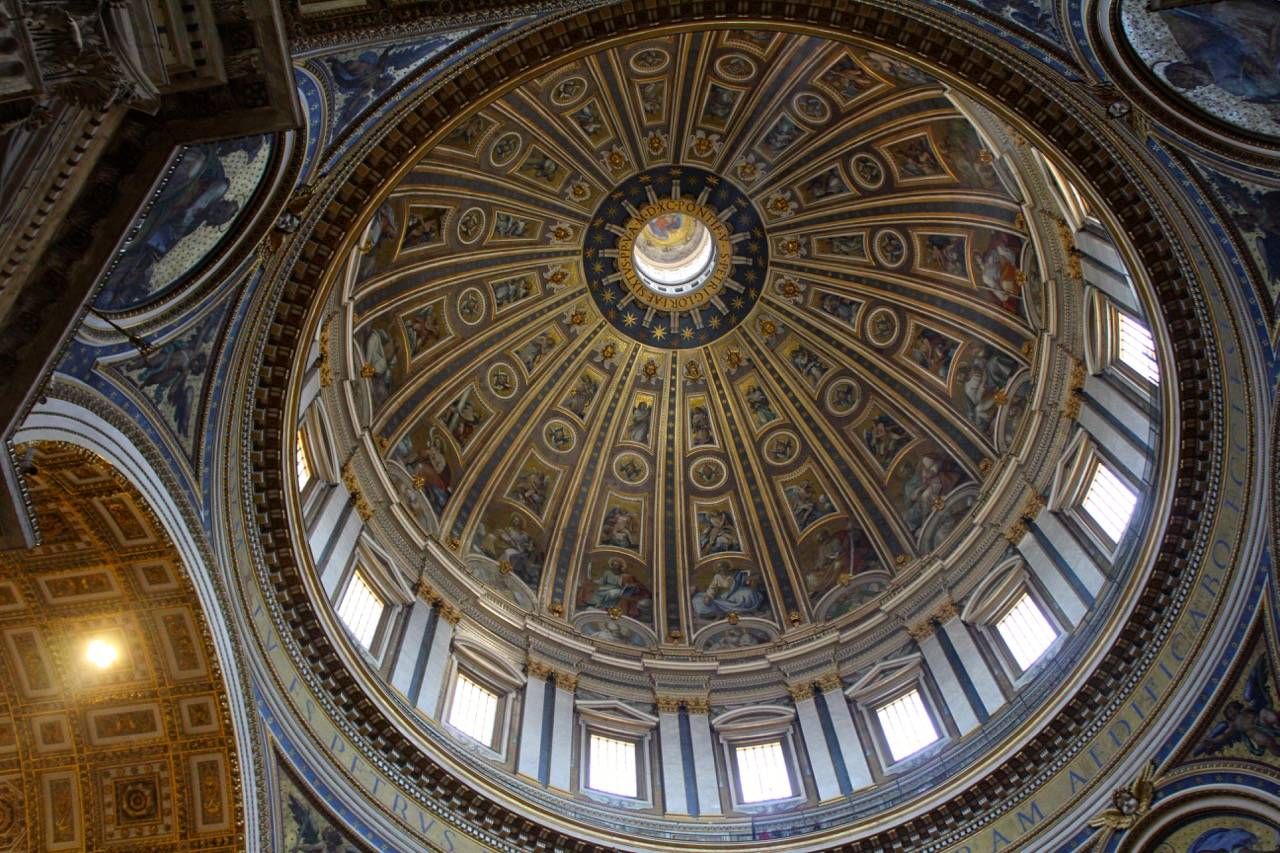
(321, 527)
(674, 794)
(332, 535)
(975, 665)
(815, 742)
(1128, 446)
(851, 752)
(948, 679)
(535, 694)
(1052, 579)
(437, 660)
(1069, 547)
(310, 389)
(562, 734)
(409, 652)
(704, 757)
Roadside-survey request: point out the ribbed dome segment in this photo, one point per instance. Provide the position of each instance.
(701, 338)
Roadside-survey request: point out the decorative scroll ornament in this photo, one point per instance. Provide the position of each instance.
(1075, 394)
(1068, 238)
(326, 369)
(1120, 108)
(943, 612)
(800, 692)
(291, 217)
(363, 507)
(428, 593)
(830, 681)
(921, 630)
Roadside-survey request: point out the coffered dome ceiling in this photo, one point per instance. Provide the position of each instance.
(700, 337)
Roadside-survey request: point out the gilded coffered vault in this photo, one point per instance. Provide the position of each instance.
(589, 426)
(134, 754)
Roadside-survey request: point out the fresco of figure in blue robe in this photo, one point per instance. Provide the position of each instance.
(202, 195)
(1229, 44)
(1229, 841)
(1035, 15)
(729, 590)
(361, 76)
(172, 376)
(1224, 57)
(1255, 210)
(305, 826)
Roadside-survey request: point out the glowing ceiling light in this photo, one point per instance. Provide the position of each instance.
(674, 254)
(102, 653)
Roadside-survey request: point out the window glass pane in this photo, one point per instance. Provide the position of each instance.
(906, 724)
(762, 772)
(1026, 632)
(1109, 502)
(612, 766)
(1137, 349)
(303, 464)
(360, 609)
(474, 710)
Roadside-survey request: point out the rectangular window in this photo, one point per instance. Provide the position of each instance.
(906, 724)
(762, 772)
(361, 609)
(612, 766)
(1025, 631)
(1109, 502)
(474, 710)
(302, 462)
(1137, 349)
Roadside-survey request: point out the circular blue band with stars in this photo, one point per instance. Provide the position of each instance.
(687, 328)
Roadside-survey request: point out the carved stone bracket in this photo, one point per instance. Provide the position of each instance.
(75, 51)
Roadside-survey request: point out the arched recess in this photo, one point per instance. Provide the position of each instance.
(61, 421)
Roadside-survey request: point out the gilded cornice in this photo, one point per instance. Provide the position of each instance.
(668, 704)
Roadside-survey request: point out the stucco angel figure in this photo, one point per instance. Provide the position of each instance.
(1129, 803)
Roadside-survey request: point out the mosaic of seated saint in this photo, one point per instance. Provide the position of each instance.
(513, 544)
(729, 590)
(717, 532)
(615, 585)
